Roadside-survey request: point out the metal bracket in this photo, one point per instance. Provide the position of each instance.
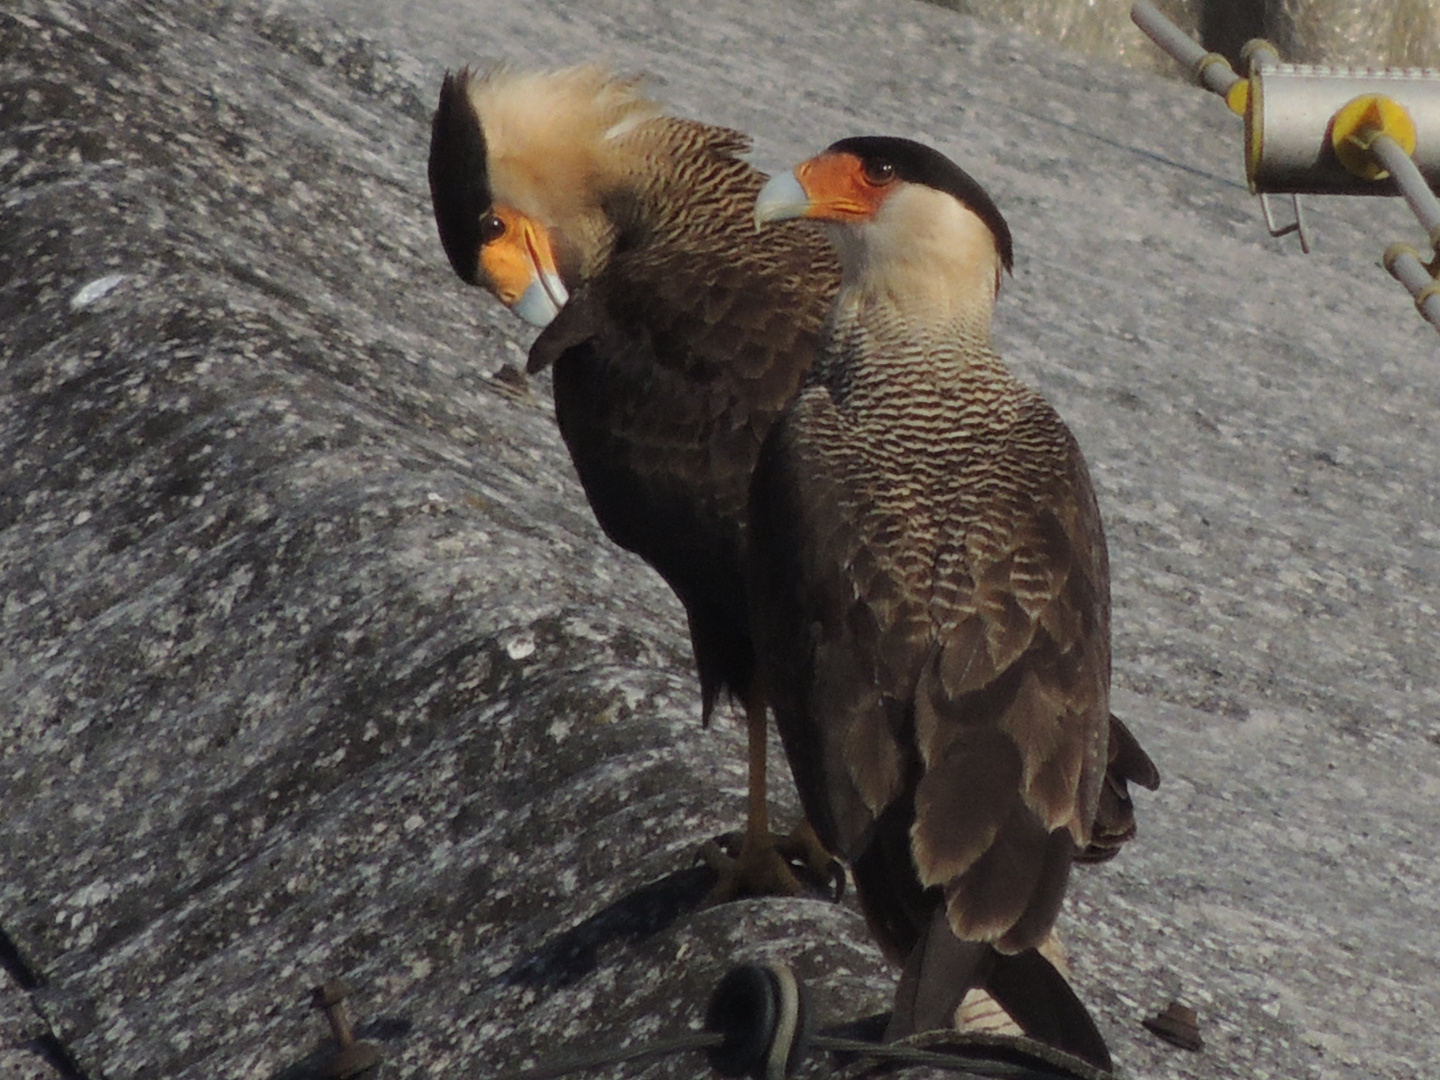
(1296, 226)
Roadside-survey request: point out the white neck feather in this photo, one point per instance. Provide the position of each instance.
(925, 255)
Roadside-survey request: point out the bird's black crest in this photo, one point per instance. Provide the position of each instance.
(459, 180)
(917, 163)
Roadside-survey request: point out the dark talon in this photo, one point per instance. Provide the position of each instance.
(785, 866)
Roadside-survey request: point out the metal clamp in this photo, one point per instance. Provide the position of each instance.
(1297, 226)
(1328, 131)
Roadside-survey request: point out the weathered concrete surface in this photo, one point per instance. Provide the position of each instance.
(313, 662)
(1360, 33)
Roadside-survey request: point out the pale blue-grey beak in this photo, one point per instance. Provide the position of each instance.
(542, 299)
(782, 197)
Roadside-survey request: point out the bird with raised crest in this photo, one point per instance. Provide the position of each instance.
(677, 335)
(675, 332)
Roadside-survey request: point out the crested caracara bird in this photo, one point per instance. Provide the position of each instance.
(931, 600)
(675, 331)
(686, 335)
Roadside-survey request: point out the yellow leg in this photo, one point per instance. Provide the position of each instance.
(757, 820)
(761, 868)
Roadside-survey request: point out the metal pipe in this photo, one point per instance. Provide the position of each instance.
(1411, 183)
(1292, 115)
(1329, 131)
(1211, 70)
(1405, 266)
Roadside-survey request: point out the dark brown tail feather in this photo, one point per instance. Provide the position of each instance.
(1128, 760)
(942, 969)
(895, 904)
(1040, 1000)
(1115, 817)
(939, 972)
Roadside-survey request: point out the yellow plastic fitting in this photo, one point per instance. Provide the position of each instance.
(1238, 97)
(1354, 127)
(1395, 252)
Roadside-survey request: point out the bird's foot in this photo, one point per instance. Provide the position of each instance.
(791, 865)
(802, 849)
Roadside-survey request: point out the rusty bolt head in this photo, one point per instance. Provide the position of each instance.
(1179, 1025)
(329, 993)
(351, 1057)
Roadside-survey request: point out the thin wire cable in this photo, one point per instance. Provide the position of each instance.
(912, 1055)
(705, 1040)
(698, 1040)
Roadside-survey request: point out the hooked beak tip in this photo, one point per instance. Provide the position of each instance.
(783, 197)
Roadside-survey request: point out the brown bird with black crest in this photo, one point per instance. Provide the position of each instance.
(931, 598)
(677, 334)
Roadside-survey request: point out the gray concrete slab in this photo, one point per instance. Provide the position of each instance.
(314, 663)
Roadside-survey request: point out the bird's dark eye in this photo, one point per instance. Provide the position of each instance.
(491, 228)
(878, 173)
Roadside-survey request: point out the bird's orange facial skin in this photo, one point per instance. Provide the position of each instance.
(841, 188)
(514, 251)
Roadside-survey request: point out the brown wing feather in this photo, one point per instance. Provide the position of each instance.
(938, 653)
(1115, 816)
(672, 361)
